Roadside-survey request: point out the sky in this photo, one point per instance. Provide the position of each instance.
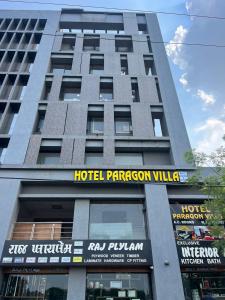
(198, 71)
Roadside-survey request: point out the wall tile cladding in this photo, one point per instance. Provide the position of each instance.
(68, 120)
(25, 37)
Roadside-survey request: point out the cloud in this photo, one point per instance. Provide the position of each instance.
(188, 5)
(210, 135)
(208, 99)
(174, 48)
(183, 80)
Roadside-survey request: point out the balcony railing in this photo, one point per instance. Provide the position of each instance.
(42, 231)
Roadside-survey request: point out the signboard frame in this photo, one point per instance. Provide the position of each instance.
(76, 253)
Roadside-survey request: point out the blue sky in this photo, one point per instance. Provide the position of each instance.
(198, 72)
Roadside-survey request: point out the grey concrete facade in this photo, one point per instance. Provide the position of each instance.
(65, 122)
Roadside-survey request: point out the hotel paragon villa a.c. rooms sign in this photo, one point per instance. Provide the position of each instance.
(129, 176)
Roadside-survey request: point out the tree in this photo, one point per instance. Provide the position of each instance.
(210, 179)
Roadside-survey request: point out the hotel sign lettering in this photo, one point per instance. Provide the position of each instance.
(129, 176)
(76, 253)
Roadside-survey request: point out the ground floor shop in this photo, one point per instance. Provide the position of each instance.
(43, 285)
(204, 284)
(198, 284)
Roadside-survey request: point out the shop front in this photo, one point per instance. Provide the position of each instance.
(118, 286)
(34, 284)
(204, 283)
(202, 263)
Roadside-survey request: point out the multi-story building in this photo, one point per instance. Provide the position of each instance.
(92, 144)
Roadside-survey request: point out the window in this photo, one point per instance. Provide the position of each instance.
(2, 53)
(31, 24)
(8, 85)
(47, 90)
(123, 44)
(8, 42)
(149, 65)
(2, 78)
(94, 152)
(117, 221)
(106, 89)
(142, 29)
(68, 43)
(49, 152)
(91, 43)
(74, 30)
(203, 285)
(14, 24)
(88, 30)
(2, 109)
(100, 31)
(35, 41)
(10, 118)
(123, 64)
(23, 24)
(8, 60)
(109, 31)
(129, 158)
(157, 127)
(20, 88)
(3, 148)
(38, 286)
(95, 124)
(61, 63)
(40, 118)
(135, 90)
(159, 124)
(96, 64)
(25, 40)
(70, 91)
(93, 158)
(41, 24)
(28, 63)
(111, 285)
(123, 126)
(5, 24)
(149, 44)
(65, 30)
(158, 89)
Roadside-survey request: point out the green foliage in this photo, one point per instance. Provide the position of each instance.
(212, 186)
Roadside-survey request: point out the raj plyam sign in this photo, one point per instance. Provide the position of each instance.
(77, 253)
(129, 176)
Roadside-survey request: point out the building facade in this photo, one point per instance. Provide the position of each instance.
(92, 145)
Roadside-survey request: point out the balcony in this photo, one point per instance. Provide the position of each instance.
(42, 231)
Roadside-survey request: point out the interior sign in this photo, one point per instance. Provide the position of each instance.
(130, 176)
(199, 253)
(76, 253)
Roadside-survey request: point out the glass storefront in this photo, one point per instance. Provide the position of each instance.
(204, 285)
(118, 286)
(113, 221)
(35, 287)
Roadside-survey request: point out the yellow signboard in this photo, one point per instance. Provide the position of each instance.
(132, 176)
(77, 259)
